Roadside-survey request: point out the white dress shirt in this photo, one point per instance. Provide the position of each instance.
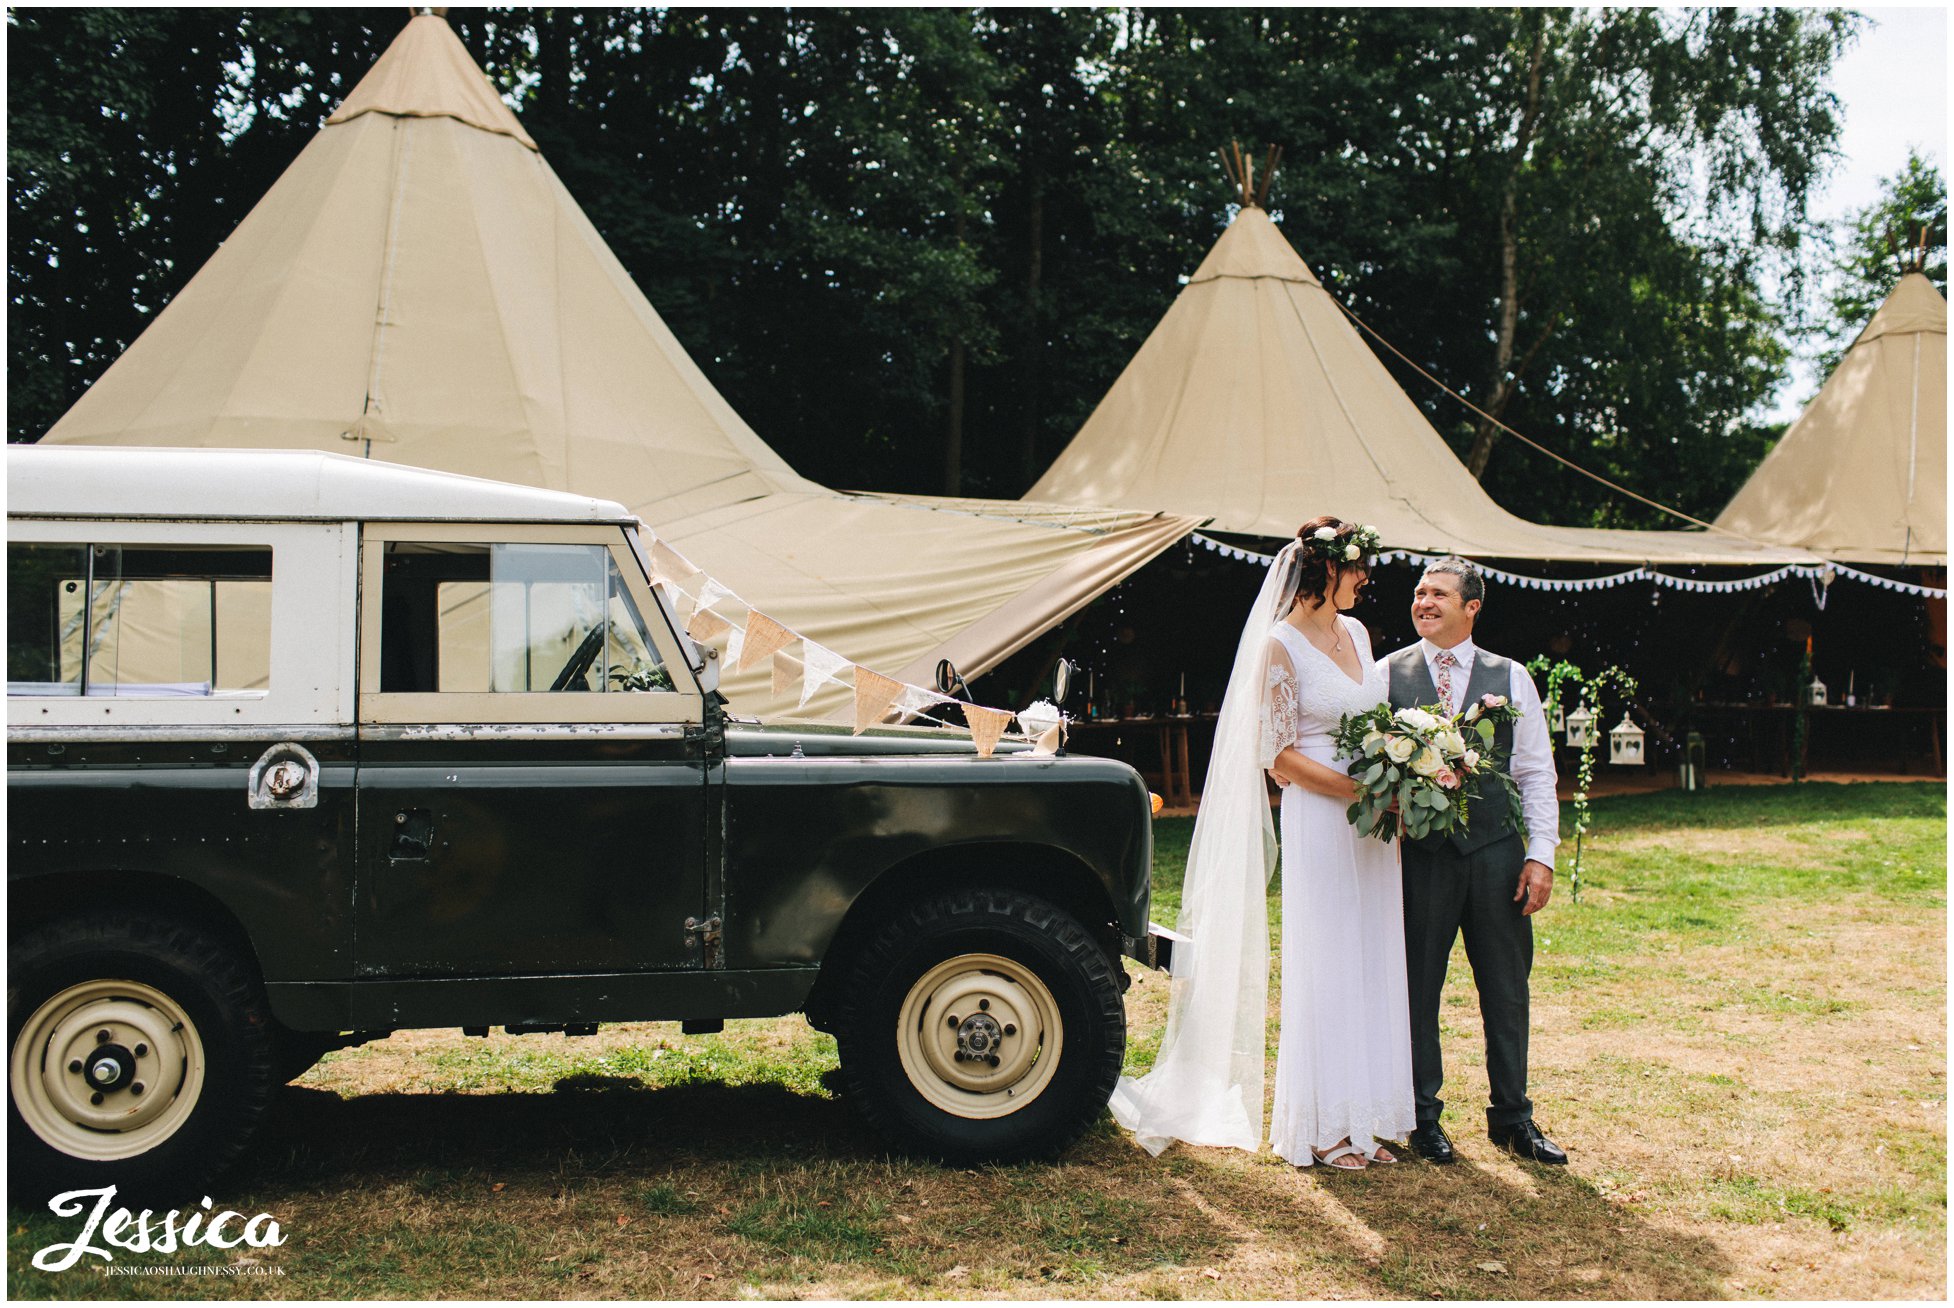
(1533, 746)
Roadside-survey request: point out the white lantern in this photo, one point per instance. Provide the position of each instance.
(1580, 728)
(1558, 723)
(1816, 693)
(1625, 743)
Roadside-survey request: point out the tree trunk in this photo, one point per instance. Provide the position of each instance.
(1034, 343)
(953, 426)
(1499, 392)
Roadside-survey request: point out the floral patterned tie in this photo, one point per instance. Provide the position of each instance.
(1446, 661)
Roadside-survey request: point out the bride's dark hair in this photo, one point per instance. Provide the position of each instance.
(1314, 578)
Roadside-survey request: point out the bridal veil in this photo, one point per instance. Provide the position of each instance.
(1206, 1086)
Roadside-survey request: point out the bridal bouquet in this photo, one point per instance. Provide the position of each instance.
(1422, 758)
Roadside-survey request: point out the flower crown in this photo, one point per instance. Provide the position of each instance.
(1328, 543)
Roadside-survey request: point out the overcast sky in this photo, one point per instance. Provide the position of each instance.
(1892, 86)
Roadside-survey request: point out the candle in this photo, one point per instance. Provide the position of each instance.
(1183, 685)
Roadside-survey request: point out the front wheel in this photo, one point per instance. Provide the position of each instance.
(141, 1056)
(981, 1027)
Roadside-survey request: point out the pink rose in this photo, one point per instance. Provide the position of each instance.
(1493, 701)
(1447, 778)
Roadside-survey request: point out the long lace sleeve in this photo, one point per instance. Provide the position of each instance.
(1279, 714)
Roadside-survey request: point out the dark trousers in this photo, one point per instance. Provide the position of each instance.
(1446, 892)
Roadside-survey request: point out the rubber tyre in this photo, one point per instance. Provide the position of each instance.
(1043, 941)
(226, 1008)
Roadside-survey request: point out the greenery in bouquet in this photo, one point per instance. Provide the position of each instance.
(1415, 768)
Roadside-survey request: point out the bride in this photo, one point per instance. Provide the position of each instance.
(1343, 1067)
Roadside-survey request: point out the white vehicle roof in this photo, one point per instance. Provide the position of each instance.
(78, 481)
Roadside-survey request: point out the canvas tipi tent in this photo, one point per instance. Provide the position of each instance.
(1861, 476)
(420, 287)
(1256, 404)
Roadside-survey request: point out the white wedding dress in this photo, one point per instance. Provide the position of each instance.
(1343, 1067)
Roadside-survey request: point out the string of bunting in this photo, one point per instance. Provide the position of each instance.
(1822, 573)
(713, 610)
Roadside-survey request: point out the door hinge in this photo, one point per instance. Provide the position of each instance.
(708, 931)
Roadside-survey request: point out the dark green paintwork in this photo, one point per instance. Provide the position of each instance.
(560, 872)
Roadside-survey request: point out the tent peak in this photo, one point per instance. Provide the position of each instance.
(1913, 305)
(1241, 173)
(428, 73)
(1253, 247)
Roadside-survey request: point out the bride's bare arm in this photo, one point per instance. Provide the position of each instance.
(1293, 767)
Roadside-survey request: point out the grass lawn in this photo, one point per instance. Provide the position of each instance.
(1739, 1035)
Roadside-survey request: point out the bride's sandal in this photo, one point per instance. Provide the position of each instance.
(1380, 1154)
(1343, 1157)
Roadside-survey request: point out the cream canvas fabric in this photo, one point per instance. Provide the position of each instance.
(1257, 404)
(1861, 476)
(420, 287)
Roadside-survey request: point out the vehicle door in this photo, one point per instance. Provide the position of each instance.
(532, 782)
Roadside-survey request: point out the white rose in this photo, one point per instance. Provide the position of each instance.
(1352, 552)
(1417, 719)
(1426, 763)
(1326, 533)
(1450, 743)
(1471, 759)
(1373, 741)
(1398, 748)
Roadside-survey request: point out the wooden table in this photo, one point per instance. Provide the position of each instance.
(1156, 747)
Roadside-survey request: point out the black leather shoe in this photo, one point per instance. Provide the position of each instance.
(1431, 1143)
(1524, 1140)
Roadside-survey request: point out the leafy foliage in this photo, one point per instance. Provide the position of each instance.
(1880, 243)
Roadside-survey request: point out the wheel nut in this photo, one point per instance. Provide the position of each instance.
(959, 1055)
(136, 1089)
(984, 1004)
(74, 1065)
(954, 1020)
(994, 1060)
(1009, 1029)
(142, 1051)
(96, 1098)
(103, 1036)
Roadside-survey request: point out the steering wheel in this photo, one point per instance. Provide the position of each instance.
(581, 658)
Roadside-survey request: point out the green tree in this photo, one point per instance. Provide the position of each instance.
(1904, 229)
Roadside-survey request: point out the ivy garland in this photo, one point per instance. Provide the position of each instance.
(1589, 690)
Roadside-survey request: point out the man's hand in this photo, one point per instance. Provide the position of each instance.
(1536, 885)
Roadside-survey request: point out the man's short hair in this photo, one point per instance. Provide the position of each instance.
(1471, 585)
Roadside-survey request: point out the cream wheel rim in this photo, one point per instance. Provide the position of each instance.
(107, 1069)
(979, 1036)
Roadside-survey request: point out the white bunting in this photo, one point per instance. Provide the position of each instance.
(820, 665)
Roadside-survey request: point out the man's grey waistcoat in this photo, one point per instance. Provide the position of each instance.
(1411, 687)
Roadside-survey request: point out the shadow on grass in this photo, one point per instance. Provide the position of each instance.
(590, 1124)
(742, 1168)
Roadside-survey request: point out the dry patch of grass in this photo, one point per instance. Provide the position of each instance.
(1739, 1035)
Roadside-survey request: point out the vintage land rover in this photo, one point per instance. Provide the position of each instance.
(304, 749)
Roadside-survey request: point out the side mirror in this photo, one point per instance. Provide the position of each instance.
(949, 681)
(1062, 681)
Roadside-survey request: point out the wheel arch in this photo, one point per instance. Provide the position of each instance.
(1055, 875)
(35, 900)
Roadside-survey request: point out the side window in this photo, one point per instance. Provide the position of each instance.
(510, 619)
(139, 621)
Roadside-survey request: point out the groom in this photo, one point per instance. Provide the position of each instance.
(1488, 881)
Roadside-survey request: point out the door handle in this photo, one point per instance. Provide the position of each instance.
(413, 836)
